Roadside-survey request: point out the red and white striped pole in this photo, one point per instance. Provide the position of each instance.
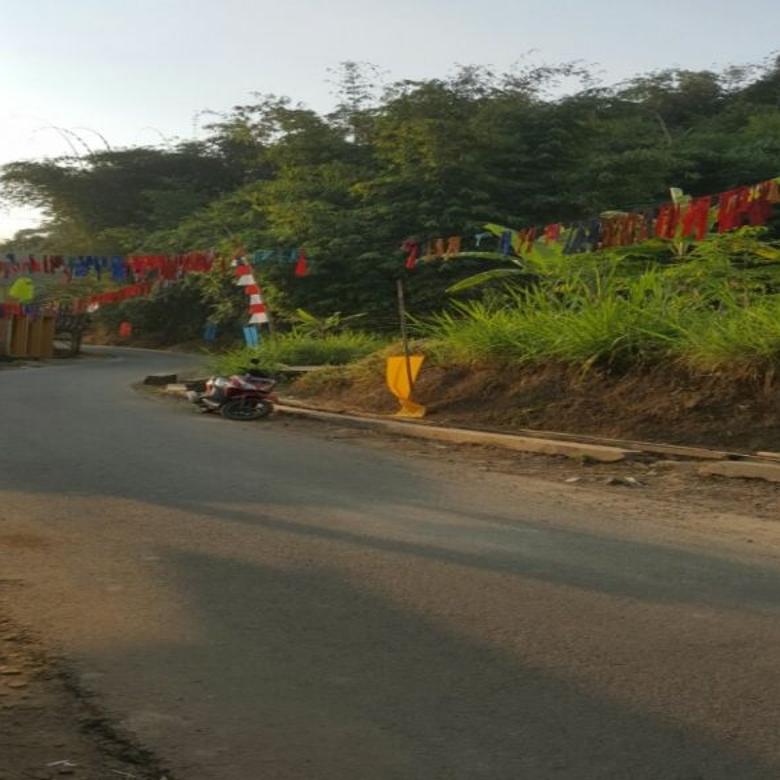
(258, 313)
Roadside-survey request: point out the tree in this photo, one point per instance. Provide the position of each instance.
(426, 158)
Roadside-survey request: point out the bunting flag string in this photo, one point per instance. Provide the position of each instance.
(86, 305)
(117, 268)
(691, 218)
(21, 310)
(94, 302)
(281, 256)
(120, 268)
(142, 271)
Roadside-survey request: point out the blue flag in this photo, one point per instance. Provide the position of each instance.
(251, 336)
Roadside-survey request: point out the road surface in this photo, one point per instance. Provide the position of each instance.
(264, 600)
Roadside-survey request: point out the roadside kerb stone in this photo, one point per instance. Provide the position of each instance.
(540, 446)
(564, 446)
(176, 389)
(160, 379)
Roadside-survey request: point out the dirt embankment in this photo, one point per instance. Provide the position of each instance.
(667, 405)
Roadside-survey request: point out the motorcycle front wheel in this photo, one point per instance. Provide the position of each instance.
(246, 409)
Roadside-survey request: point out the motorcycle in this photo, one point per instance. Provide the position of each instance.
(246, 396)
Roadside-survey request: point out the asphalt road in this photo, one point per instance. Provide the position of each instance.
(267, 600)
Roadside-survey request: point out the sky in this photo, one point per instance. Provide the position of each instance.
(136, 71)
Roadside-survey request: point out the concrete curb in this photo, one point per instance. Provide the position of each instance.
(722, 464)
(532, 444)
(678, 451)
(176, 390)
(540, 446)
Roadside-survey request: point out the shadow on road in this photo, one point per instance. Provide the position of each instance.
(330, 680)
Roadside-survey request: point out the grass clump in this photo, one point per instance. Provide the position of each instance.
(738, 339)
(708, 314)
(606, 321)
(298, 349)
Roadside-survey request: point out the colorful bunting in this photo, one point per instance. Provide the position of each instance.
(118, 268)
(141, 270)
(683, 218)
(280, 256)
(453, 246)
(22, 290)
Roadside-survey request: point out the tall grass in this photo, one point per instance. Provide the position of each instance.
(713, 310)
(740, 339)
(599, 320)
(297, 349)
(618, 323)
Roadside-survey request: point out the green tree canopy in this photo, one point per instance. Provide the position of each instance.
(410, 158)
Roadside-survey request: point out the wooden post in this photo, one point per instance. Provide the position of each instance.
(47, 346)
(35, 338)
(404, 334)
(270, 322)
(21, 328)
(5, 335)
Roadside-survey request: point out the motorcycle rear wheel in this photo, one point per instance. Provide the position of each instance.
(243, 409)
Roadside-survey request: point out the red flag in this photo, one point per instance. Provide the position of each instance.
(732, 207)
(302, 266)
(412, 249)
(696, 217)
(666, 222)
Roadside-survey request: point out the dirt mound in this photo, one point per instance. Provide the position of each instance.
(669, 405)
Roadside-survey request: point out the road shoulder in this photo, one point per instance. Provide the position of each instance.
(49, 728)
